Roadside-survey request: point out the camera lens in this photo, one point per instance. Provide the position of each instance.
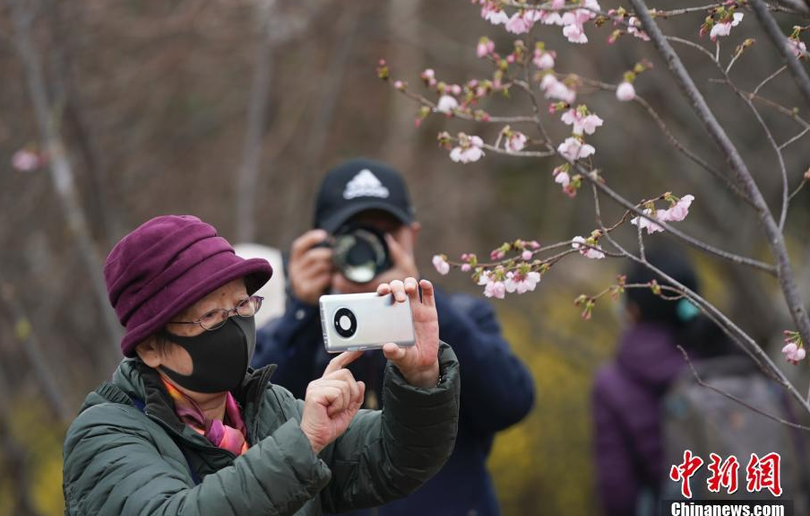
(360, 253)
(345, 323)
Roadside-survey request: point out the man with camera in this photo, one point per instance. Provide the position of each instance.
(365, 235)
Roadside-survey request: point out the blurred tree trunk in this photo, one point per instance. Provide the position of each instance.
(101, 211)
(400, 147)
(257, 124)
(48, 117)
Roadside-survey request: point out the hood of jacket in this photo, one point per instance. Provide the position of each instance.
(648, 354)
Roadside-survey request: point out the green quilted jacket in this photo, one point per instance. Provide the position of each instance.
(127, 453)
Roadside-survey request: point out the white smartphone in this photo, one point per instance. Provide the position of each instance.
(353, 322)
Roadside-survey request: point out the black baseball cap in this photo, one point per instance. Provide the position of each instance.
(358, 185)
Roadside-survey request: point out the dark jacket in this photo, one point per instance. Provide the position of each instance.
(627, 400)
(498, 392)
(127, 453)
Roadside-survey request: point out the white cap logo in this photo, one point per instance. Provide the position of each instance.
(365, 184)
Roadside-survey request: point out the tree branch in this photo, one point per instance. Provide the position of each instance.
(774, 236)
(735, 398)
(780, 41)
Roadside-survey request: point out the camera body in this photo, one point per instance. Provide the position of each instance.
(360, 252)
(353, 322)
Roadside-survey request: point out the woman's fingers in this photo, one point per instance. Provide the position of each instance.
(428, 296)
(398, 290)
(341, 361)
(393, 352)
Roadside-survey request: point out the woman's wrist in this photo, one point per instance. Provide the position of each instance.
(427, 378)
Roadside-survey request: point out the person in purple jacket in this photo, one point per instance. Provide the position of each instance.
(497, 389)
(628, 392)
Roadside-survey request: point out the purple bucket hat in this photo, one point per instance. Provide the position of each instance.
(166, 265)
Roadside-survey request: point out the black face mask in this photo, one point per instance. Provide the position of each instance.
(220, 358)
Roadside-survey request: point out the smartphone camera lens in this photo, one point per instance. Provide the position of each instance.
(345, 323)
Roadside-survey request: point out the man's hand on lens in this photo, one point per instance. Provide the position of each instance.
(403, 267)
(331, 402)
(310, 267)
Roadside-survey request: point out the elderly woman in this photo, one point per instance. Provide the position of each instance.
(185, 427)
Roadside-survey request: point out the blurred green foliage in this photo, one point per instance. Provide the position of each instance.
(39, 438)
(546, 461)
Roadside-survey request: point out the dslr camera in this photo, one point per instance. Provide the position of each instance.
(359, 252)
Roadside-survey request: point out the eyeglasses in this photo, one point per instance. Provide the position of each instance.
(214, 319)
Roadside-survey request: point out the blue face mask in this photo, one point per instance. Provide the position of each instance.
(220, 357)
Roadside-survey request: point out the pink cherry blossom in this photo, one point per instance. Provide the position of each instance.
(469, 149)
(485, 47)
(543, 60)
(441, 265)
(552, 17)
(633, 29)
(793, 353)
(556, 89)
(798, 47)
(581, 123)
(466, 267)
(516, 282)
(429, 76)
(587, 252)
(521, 22)
(493, 15)
(26, 161)
(678, 212)
(526, 255)
(647, 224)
(446, 104)
(574, 149)
(724, 28)
(495, 289)
(515, 142)
(492, 287)
(625, 92)
(575, 33)
(562, 178)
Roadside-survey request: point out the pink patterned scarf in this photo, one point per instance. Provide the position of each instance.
(228, 436)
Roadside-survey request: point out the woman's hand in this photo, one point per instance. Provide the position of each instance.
(331, 402)
(419, 364)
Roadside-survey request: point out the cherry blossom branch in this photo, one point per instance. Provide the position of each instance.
(734, 332)
(735, 398)
(783, 47)
(774, 236)
(626, 204)
(457, 113)
(673, 140)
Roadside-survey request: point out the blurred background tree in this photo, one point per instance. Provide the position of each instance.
(233, 110)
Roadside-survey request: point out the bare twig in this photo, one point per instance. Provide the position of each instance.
(767, 79)
(742, 402)
(780, 41)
